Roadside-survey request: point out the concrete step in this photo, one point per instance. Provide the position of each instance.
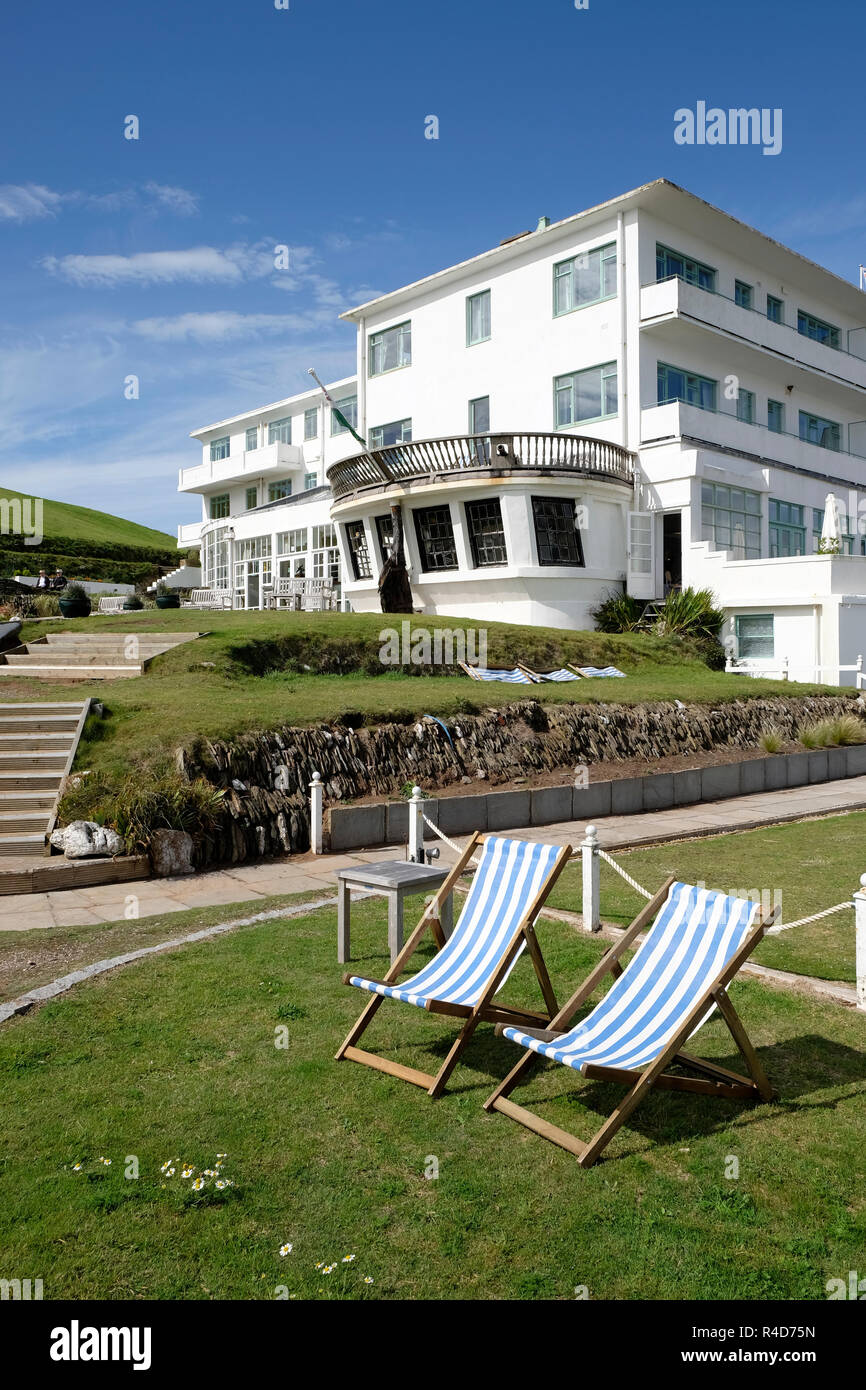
(39, 762)
(64, 674)
(22, 843)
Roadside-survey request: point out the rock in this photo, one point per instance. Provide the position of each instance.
(83, 839)
(171, 853)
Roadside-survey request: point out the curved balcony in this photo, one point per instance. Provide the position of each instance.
(423, 459)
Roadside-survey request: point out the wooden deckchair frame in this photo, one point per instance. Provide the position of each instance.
(485, 1010)
(537, 677)
(713, 1080)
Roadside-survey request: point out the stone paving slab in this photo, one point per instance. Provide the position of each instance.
(307, 873)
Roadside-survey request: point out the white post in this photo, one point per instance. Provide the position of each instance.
(860, 919)
(591, 865)
(416, 827)
(785, 669)
(858, 679)
(316, 804)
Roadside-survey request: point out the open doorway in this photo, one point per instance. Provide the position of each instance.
(672, 550)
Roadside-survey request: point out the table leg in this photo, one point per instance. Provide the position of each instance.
(446, 915)
(395, 923)
(343, 925)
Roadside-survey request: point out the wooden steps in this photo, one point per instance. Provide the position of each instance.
(74, 656)
(37, 746)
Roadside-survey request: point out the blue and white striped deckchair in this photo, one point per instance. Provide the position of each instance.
(675, 980)
(560, 674)
(484, 673)
(509, 887)
(600, 672)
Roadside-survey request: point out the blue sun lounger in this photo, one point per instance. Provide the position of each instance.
(510, 885)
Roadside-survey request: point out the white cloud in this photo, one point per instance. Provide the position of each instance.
(202, 264)
(27, 202)
(178, 200)
(223, 326)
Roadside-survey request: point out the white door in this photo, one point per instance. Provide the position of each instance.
(641, 555)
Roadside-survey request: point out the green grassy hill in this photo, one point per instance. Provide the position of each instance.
(65, 520)
(85, 543)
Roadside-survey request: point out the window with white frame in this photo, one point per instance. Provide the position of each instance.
(584, 279)
(277, 491)
(215, 559)
(587, 395)
(391, 349)
(252, 498)
(220, 506)
(311, 423)
(292, 542)
(220, 448)
(251, 438)
(348, 408)
(479, 415)
(310, 480)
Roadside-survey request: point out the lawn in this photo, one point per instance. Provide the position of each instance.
(67, 520)
(175, 1059)
(813, 864)
(248, 674)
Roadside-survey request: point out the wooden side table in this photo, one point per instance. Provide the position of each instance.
(395, 881)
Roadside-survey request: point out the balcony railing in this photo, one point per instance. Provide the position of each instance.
(401, 464)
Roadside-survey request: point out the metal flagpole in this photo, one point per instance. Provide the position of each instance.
(335, 407)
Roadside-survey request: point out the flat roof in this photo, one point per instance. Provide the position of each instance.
(657, 192)
(276, 405)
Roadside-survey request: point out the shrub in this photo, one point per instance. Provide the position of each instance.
(618, 613)
(133, 602)
(76, 593)
(690, 613)
(772, 740)
(848, 729)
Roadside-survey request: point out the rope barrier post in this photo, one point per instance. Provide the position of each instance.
(416, 827)
(860, 912)
(316, 810)
(591, 865)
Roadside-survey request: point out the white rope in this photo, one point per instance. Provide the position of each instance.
(622, 873)
(450, 843)
(815, 917)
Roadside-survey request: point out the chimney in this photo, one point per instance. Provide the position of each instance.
(542, 223)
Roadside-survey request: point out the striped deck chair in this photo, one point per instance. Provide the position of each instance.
(498, 920)
(599, 672)
(483, 673)
(560, 674)
(675, 980)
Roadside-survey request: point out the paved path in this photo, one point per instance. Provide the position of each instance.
(308, 873)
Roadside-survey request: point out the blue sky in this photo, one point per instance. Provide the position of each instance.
(261, 127)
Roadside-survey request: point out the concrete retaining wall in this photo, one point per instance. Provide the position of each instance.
(365, 827)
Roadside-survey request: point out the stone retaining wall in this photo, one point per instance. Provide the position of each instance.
(266, 776)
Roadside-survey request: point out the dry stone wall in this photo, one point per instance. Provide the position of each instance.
(266, 776)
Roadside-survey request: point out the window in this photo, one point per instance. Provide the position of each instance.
(743, 294)
(746, 406)
(478, 318)
(775, 309)
(816, 430)
(280, 431)
(359, 551)
(254, 548)
(390, 349)
(479, 415)
(324, 537)
(556, 534)
(588, 395)
(787, 529)
(326, 556)
(398, 432)
(776, 417)
(754, 634)
(215, 557)
(276, 491)
(435, 538)
(822, 332)
(348, 408)
(674, 384)
(251, 439)
(311, 423)
(584, 279)
(292, 542)
(219, 506)
(310, 480)
(731, 519)
(670, 263)
(220, 448)
(252, 498)
(846, 539)
(486, 533)
(385, 533)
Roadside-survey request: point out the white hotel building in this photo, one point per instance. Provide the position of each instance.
(647, 394)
